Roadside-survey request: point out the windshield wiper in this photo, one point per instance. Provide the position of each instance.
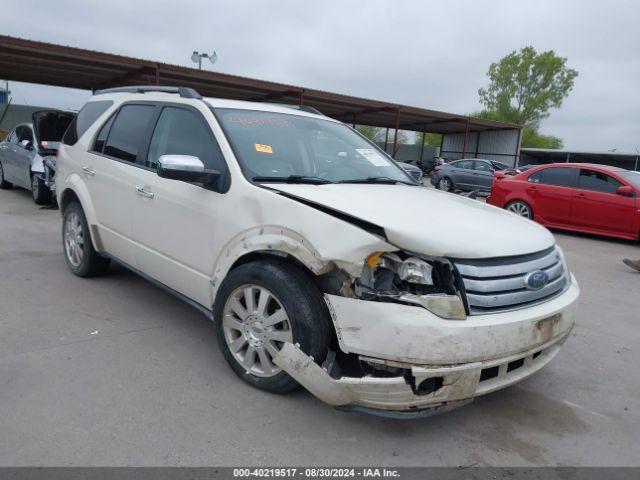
(381, 180)
(294, 179)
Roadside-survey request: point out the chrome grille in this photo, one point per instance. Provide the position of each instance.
(498, 284)
(416, 174)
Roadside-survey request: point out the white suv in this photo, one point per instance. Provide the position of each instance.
(320, 260)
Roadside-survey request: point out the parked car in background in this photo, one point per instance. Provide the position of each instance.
(518, 169)
(415, 172)
(588, 198)
(304, 249)
(466, 174)
(28, 154)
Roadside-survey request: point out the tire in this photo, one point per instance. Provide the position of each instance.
(3, 184)
(293, 292)
(40, 192)
(81, 257)
(445, 184)
(520, 208)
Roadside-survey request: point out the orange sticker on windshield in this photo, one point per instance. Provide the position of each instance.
(263, 148)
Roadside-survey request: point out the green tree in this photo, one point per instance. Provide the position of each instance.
(526, 84)
(377, 134)
(432, 139)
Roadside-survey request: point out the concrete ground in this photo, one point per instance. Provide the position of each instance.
(114, 371)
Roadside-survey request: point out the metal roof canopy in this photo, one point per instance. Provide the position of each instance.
(46, 63)
(628, 161)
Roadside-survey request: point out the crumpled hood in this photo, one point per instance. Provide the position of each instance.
(429, 221)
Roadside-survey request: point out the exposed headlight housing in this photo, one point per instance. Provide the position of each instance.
(406, 278)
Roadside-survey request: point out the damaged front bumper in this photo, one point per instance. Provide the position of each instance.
(444, 363)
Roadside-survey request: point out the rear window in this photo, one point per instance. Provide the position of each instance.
(562, 177)
(85, 118)
(128, 131)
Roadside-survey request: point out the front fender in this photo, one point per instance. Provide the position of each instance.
(270, 239)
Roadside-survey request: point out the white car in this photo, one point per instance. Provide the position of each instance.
(321, 262)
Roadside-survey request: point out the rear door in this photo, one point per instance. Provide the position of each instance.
(111, 174)
(596, 205)
(550, 192)
(175, 223)
(8, 156)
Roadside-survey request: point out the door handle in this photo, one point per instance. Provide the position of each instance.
(89, 171)
(144, 192)
(580, 195)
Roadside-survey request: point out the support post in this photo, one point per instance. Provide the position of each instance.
(636, 167)
(395, 136)
(517, 162)
(157, 74)
(424, 134)
(386, 141)
(466, 138)
(354, 120)
(568, 157)
(302, 97)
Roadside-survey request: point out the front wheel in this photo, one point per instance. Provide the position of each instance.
(41, 193)
(520, 208)
(259, 307)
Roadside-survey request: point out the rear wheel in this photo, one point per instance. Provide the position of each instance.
(259, 307)
(520, 208)
(40, 192)
(82, 259)
(445, 184)
(4, 185)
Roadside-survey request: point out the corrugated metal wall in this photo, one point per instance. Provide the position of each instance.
(500, 145)
(16, 114)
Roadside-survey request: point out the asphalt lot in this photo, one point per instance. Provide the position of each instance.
(114, 371)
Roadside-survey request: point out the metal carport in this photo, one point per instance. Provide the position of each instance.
(46, 63)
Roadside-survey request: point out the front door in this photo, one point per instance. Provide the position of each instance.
(482, 174)
(23, 156)
(176, 224)
(596, 205)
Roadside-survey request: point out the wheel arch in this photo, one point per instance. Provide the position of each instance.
(521, 200)
(77, 191)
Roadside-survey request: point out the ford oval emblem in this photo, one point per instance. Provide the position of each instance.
(536, 280)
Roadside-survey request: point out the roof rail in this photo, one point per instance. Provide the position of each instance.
(184, 92)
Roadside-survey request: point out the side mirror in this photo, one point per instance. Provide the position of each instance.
(26, 144)
(500, 175)
(186, 168)
(625, 190)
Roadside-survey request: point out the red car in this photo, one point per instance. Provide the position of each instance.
(582, 197)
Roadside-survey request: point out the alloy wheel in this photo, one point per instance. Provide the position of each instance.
(73, 239)
(445, 184)
(255, 326)
(520, 208)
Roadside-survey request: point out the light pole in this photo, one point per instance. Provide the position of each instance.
(197, 58)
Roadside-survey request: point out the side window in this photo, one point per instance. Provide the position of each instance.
(463, 164)
(482, 166)
(182, 132)
(601, 182)
(98, 143)
(128, 131)
(561, 177)
(24, 133)
(85, 118)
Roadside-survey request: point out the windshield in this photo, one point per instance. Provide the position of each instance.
(632, 177)
(282, 147)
